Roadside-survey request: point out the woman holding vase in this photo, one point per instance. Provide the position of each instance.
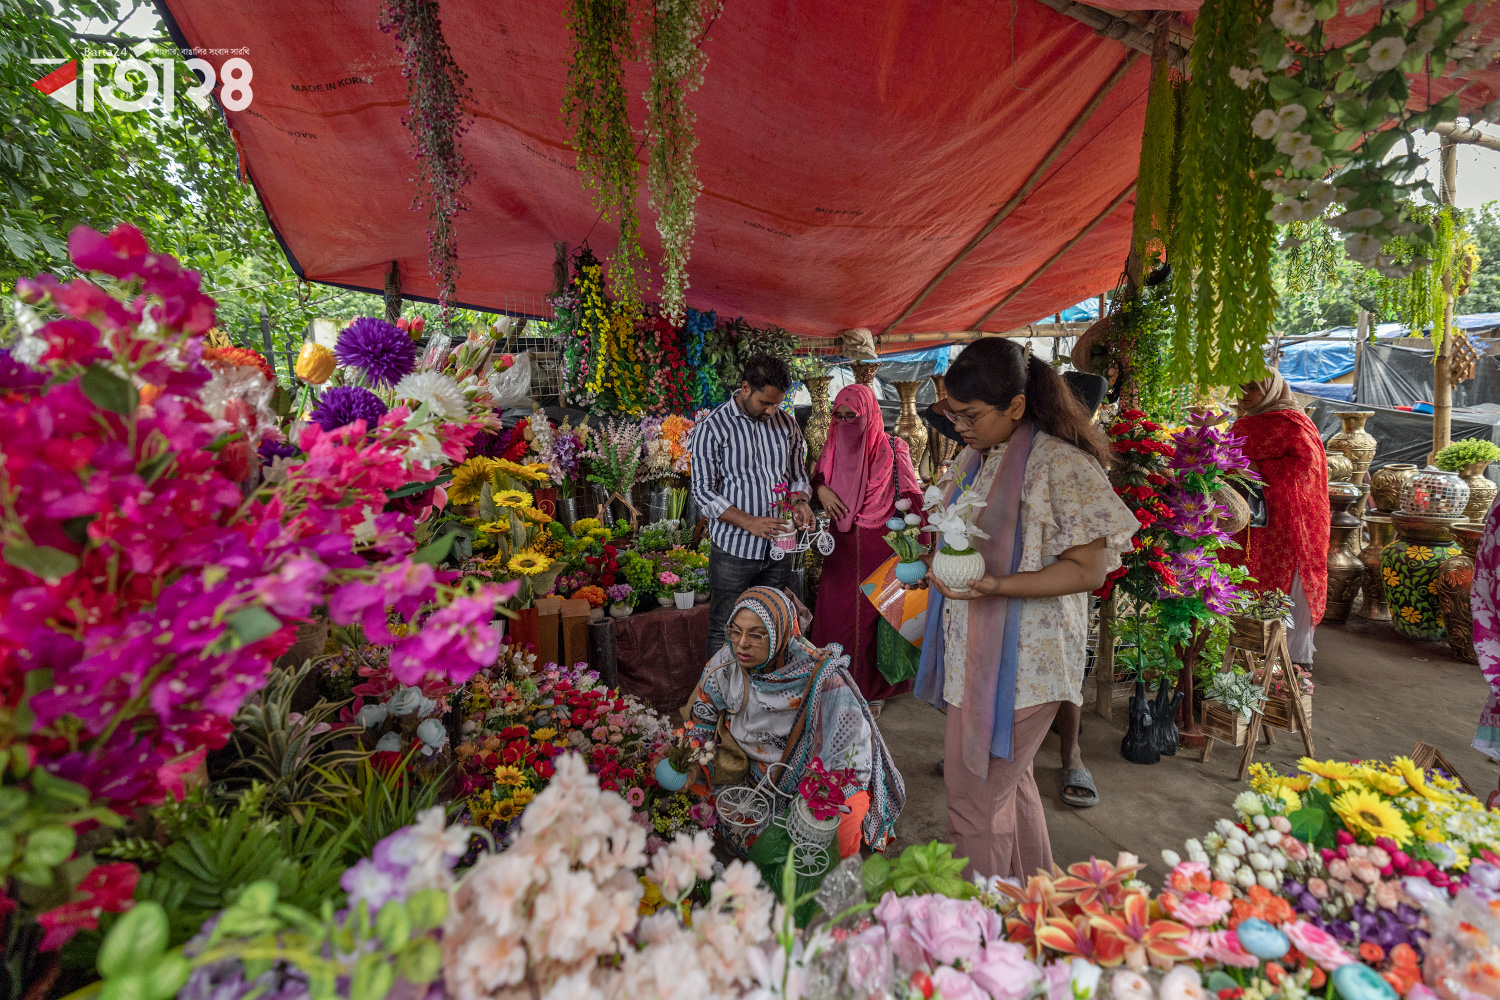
(860, 475)
(1004, 649)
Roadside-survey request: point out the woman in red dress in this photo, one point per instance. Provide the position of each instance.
(856, 482)
(1290, 553)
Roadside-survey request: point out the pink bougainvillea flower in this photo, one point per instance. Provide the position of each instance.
(105, 889)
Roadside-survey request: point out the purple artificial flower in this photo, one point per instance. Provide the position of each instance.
(1217, 592)
(344, 404)
(1208, 449)
(380, 350)
(1188, 566)
(491, 444)
(14, 375)
(1193, 514)
(270, 450)
(620, 592)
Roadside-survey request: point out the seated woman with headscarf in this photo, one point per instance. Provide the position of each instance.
(775, 697)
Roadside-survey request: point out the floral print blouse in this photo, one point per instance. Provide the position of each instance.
(1066, 500)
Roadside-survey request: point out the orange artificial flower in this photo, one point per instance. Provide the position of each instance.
(1371, 952)
(1275, 973)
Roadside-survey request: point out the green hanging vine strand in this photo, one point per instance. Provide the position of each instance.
(676, 63)
(1153, 190)
(1224, 297)
(594, 108)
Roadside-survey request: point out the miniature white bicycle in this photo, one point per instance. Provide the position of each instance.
(796, 542)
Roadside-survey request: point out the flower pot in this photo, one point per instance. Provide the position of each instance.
(665, 601)
(955, 570)
(1455, 580)
(785, 542)
(683, 600)
(1138, 746)
(1375, 606)
(911, 573)
(1386, 483)
(1164, 734)
(596, 614)
(700, 597)
(1481, 491)
(669, 777)
(1409, 568)
(1435, 493)
(620, 610)
(567, 510)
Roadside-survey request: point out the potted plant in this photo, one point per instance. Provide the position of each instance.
(956, 562)
(683, 753)
(669, 585)
(1469, 458)
(697, 580)
(904, 538)
(596, 597)
(781, 508)
(620, 604)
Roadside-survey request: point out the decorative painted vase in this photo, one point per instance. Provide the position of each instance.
(1357, 444)
(864, 372)
(911, 573)
(956, 570)
(683, 600)
(620, 610)
(669, 777)
(909, 426)
(1344, 568)
(1409, 569)
(1339, 466)
(1382, 532)
(1386, 483)
(1435, 493)
(1455, 580)
(1481, 491)
(821, 418)
(545, 500)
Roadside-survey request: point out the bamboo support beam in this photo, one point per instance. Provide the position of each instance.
(1133, 31)
(1442, 376)
(1078, 238)
(1454, 132)
(1026, 188)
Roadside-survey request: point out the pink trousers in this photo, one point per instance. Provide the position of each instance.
(997, 821)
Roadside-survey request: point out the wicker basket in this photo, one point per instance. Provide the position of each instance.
(1224, 724)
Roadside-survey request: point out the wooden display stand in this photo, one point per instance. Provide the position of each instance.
(1261, 646)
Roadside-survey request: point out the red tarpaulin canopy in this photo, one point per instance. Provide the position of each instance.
(849, 152)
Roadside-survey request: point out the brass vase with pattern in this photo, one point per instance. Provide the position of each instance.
(909, 425)
(1455, 580)
(1481, 491)
(864, 372)
(1375, 607)
(821, 418)
(1345, 571)
(1386, 483)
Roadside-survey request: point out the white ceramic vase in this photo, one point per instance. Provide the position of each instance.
(620, 610)
(665, 600)
(684, 600)
(955, 571)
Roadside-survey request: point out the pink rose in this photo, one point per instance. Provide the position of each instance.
(1219, 946)
(1199, 909)
(1317, 887)
(949, 934)
(955, 985)
(1338, 868)
(869, 957)
(1317, 944)
(1003, 971)
(1294, 849)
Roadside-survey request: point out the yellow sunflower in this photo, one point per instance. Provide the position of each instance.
(1416, 779)
(1416, 552)
(1364, 812)
(469, 478)
(512, 498)
(1383, 782)
(1391, 579)
(529, 562)
(1330, 769)
(536, 472)
(530, 513)
(523, 796)
(506, 811)
(509, 777)
(1411, 614)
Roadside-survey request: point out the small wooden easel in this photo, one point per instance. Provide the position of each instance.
(1426, 756)
(1261, 645)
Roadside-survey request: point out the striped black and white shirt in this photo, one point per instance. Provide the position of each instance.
(736, 462)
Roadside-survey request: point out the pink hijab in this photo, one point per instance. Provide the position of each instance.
(856, 462)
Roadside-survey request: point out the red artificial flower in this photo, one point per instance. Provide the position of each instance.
(106, 889)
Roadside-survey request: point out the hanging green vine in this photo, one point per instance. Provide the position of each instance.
(1153, 190)
(1221, 251)
(676, 71)
(594, 108)
(1418, 298)
(1311, 256)
(435, 93)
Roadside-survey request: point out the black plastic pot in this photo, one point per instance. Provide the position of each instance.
(1164, 717)
(1139, 744)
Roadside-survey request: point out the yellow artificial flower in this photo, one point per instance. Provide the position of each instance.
(584, 525)
(509, 777)
(1290, 798)
(1364, 812)
(469, 478)
(506, 811)
(1391, 579)
(534, 472)
(314, 363)
(651, 899)
(1383, 782)
(1415, 552)
(1330, 769)
(1411, 614)
(529, 562)
(512, 498)
(530, 513)
(523, 796)
(602, 535)
(1416, 780)
(544, 734)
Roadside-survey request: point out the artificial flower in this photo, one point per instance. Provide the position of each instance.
(529, 562)
(382, 352)
(342, 405)
(1364, 812)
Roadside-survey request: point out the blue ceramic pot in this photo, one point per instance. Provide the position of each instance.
(911, 572)
(669, 777)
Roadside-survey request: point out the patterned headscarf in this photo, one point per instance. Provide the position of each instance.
(779, 617)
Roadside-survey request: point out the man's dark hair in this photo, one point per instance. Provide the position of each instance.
(767, 369)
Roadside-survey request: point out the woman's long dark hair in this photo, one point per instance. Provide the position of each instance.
(994, 370)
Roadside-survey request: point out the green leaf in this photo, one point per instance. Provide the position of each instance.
(1307, 823)
(51, 845)
(136, 940)
(420, 962)
(253, 624)
(34, 874)
(373, 978)
(259, 898)
(109, 391)
(436, 551)
(130, 986)
(52, 789)
(167, 977)
(1284, 88)
(393, 925)
(412, 489)
(1219, 980)
(40, 560)
(153, 466)
(428, 908)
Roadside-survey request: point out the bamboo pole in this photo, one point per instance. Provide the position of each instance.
(1026, 188)
(1442, 376)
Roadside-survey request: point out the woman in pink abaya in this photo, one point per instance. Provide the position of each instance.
(858, 478)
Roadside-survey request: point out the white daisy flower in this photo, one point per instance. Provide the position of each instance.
(439, 393)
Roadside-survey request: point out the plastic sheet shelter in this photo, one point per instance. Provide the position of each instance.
(848, 152)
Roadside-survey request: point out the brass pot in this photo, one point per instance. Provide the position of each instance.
(1345, 571)
(864, 371)
(1386, 483)
(1481, 491)
(909, 426)
(1375, 607)
(821, 417)
(1357, 444)
(1455, 580)
(1339, 466)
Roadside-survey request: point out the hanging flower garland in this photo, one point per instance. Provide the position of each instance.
(1417, 297)
(1344, 108)
(1221, 249)
(698, 336)
(666, 388)
(593, 325)
(594, 108)
(621, 376)
(435, 92)
(676, 71)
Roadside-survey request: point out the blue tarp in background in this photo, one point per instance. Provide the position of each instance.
(1326, 390)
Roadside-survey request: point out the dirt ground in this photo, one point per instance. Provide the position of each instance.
(1377, 695)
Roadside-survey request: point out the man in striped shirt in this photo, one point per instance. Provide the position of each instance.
(741, 450)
